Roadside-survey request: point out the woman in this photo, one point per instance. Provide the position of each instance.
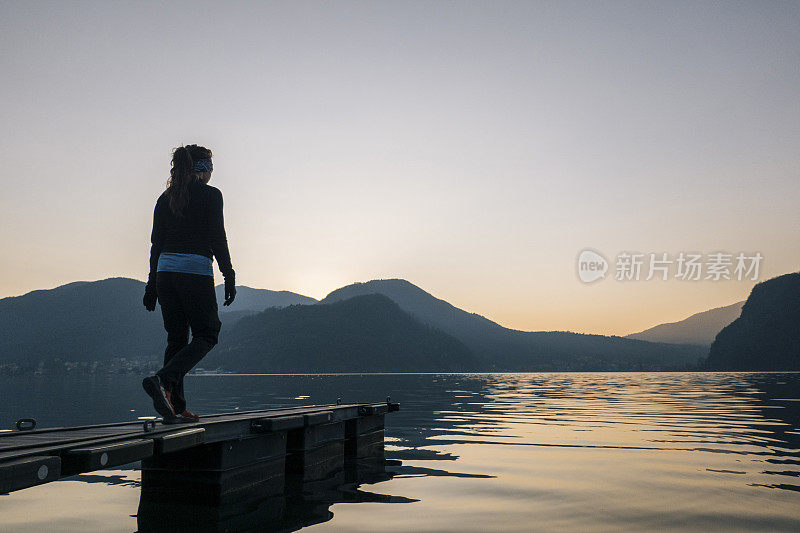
(188, 232)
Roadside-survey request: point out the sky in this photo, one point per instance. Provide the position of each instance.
(472, 148)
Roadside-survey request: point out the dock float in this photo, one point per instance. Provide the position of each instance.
(213, 462)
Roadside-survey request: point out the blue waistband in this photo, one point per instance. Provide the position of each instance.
(186, 263)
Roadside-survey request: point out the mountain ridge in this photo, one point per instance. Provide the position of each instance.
(699, 328)
(532, 350)
(105, 319)
(72, 322)
(368, 333)
(766, 336)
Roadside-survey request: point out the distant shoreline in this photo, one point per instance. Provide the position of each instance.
(476, 373)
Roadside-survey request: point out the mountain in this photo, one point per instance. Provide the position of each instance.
(256, 300)
(99, 320)
(406, 329)
(700, 328)
(767, 334)
(250, 301)
(367, 333)
(81, 321)
(500, 348)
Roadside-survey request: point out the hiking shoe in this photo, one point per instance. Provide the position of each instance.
(188, 414)
(179, 419)
(155, 389)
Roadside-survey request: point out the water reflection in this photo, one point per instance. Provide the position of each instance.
(515, 452)
(108, 479)
(753, 415)
(295, 505)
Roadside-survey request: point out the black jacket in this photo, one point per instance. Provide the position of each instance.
(201, 229)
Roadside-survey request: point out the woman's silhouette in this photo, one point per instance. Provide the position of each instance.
(188, 231)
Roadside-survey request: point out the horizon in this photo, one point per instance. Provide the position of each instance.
(319, 299)
(474, 148)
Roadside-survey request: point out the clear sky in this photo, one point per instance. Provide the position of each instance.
(472, 148)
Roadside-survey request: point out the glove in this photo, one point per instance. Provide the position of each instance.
(150, 297)
(230, 289)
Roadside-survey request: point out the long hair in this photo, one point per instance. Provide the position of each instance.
(182, 174)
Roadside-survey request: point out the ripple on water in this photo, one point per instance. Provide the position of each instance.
(478, 452)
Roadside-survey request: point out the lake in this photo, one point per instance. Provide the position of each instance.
(480, 452)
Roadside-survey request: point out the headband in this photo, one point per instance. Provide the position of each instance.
(203, 165)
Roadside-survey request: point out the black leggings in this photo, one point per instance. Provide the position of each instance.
(187, 301)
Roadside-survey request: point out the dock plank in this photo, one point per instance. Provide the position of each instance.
(43, 455)
(221, 426)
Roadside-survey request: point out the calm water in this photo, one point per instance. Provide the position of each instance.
(484, 452)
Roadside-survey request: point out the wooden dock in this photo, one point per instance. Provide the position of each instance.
(215, 462)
